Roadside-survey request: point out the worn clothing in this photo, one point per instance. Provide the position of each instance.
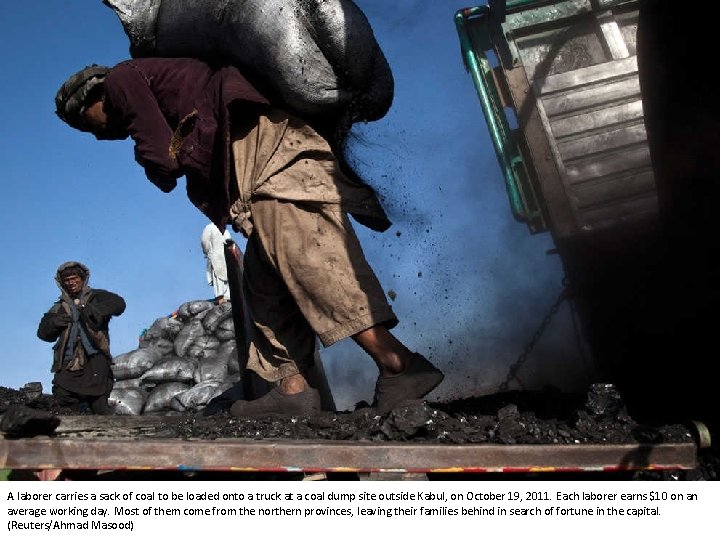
(96, 308)
(279, 156)
(176, 111)
(95, 379)
(97, 404)
(212, 242)
(305, 274)
(187, 132)
(76, 368)
(275, 178)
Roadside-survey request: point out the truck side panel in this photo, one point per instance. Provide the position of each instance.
(571, 71)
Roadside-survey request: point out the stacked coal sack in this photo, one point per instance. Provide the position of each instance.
(182, 363)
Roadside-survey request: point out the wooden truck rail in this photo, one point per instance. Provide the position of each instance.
(137, 443)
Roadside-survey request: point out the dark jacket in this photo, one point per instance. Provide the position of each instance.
(177, 112)
(96, 308)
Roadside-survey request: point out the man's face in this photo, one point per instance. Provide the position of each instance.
(97, 121)
(73, 283)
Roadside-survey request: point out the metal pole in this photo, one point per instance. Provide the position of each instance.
(253, 386)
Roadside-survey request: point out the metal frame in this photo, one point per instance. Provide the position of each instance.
(473, 26)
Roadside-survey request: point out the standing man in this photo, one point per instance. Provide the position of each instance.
(212, 242)
(78, 323)
(276, 179)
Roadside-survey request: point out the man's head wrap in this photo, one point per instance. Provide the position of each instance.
(73, 268)
(70, 100)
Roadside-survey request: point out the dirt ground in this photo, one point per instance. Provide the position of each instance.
(598, 417)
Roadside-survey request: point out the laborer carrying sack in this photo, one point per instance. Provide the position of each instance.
(269, 174)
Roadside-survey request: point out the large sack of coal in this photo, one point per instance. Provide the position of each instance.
(216, 315)
(199, 395)
(171, 369)
(187, 336)
(127, 401)
(203, 347)
(127, 383)
(214, 368)
(162, 345)
(134, 363)
(194, 308)
(160, 397)
(318, 56)
(163, 327)
(228, 351)
(226, 330)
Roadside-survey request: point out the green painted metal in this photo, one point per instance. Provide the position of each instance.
(513, 5)
(519, 4)
(529, 13)
(474, 41)
(478, 67)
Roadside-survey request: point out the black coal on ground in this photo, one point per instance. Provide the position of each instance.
(599, 417)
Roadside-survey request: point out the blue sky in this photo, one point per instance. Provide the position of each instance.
(471, 284)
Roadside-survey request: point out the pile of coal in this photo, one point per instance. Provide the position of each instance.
(547, 417)
(183, 362)
(597, 417)
(32, 395)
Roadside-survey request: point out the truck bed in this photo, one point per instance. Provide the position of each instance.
(144, 443)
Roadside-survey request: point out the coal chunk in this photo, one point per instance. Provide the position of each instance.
(20, 421)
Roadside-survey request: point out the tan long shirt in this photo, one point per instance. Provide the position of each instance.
(279, 156)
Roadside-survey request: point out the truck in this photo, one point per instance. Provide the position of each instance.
(559, 87)
(603, 123)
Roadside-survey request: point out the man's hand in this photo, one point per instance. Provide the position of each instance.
(61, 320)
(91, 315)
